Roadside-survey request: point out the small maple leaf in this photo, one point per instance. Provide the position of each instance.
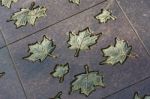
(58, 96)
(28, 15)
(82, 41)
(118, 53)
(40, 50)
(104, 16)
(2, 74)
(136, 96)
(60, 71)
(75, 1)
(7, 3)
(87, 82)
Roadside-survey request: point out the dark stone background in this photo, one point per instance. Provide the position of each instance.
(27, 80)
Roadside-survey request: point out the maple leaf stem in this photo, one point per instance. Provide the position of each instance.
(61, 79)
(36, 7)
(9, 20)
(1, 74)
(77, 53)
(54, 56)
(113, 18)
(32, 6)
(133, 55)
(86, 69)
(58, 95)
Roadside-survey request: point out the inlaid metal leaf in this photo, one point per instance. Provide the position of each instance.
(104, 16)
(7, 3)
(28, 15)
(82, 41)
(40, 50)
(60, 71)
(116, 54)
(87, 82)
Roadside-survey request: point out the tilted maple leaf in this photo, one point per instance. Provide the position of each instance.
(136, 96)
(58, 96)
(82, 41)
(60, 71)
(104, 16)
(87, 82)
(2, 74)
(75, 1)
(118, 53)
(28, 15)
(7, 3)
(40, 50)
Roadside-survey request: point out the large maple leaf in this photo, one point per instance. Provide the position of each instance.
(40, 50)
(28, 15)
(82, 41)
(116, 54)
(87, 82)
(7, 3)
